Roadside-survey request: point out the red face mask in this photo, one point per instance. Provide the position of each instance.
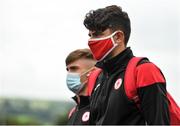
(101, 47)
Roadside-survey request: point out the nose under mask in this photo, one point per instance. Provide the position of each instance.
(101, 47)
(73, 81)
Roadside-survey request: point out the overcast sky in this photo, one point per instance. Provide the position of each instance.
(37, 35)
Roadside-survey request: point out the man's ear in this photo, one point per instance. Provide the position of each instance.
(119, 38)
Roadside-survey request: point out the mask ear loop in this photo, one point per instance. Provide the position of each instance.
(113, 35)
(90, 69)
(84, 84)
(114, 44)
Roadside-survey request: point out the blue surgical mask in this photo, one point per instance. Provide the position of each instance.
(74, 82)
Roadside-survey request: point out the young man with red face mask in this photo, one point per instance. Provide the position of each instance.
(109, 31)
(80, 66)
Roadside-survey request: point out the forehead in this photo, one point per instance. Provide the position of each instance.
(81, 63)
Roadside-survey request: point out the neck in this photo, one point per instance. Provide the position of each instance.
(117, 50)
(84, 91)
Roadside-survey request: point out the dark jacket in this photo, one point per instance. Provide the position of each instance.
(109, 103)
(79, 115)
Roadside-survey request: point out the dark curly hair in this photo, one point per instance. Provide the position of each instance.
(109, 17)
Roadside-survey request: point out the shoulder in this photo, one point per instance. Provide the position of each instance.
(148, 73)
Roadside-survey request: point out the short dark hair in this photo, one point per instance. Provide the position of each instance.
(109, 17)
(79, 54)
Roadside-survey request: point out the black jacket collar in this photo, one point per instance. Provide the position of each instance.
(84, 101)
(116, 62)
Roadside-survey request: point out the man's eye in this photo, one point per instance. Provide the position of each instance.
(67, 69)
(89, 35)
(95, 34)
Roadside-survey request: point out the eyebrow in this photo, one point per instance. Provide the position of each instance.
(72, 68)
(95, 34)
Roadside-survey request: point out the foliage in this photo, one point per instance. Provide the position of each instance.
(33, 112)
